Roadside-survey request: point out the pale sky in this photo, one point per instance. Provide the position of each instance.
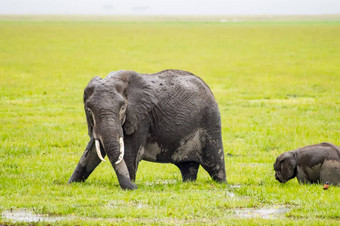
(171, 7)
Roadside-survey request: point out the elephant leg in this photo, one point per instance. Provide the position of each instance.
(123, 175)
(213, 160)
(131, 159)
(188, 170)
(134, 149)
(302, 176)
(132, 168)
(87, 163)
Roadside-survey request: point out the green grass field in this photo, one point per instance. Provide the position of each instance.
(277, 85)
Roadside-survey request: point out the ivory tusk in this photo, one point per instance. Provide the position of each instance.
(98, 151)
(121, 150)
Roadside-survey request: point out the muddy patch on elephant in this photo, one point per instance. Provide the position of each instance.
(23, 215)
(190, 147)
(272, 212)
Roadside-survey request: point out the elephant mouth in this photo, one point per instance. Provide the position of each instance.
(279, 179)
(121, 150)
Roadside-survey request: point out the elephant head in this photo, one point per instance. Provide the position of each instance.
(114, 107)
(285, 167)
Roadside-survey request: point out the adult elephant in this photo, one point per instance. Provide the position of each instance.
(167, 117)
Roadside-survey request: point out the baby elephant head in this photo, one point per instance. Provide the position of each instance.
(285, 167)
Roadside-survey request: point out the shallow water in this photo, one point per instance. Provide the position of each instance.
(161, 182)
(235, 186)
(231, 194)
(265, 213)
(24, 215)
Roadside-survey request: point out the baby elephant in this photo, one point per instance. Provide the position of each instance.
(318, 163)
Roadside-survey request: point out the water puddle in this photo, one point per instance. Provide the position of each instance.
(120, 203)
(231, 194)
(160, 182)
(24, 215)
(265, 213)
(235, 186)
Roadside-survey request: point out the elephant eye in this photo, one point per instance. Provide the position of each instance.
(91, 117)
(122, 109)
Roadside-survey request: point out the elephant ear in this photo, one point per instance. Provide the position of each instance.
(288, 167)
(293, 166)
(88, 91)
(141, 99)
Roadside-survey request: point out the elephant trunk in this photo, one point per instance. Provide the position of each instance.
(114, 149)
(103, 133)
(121, 150)
(112, 142)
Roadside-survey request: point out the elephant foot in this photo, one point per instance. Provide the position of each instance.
(79, 175)
(216, 173)
(123, 176)
(220, 180)
(188, 170)
(130, 186)
(126, 184)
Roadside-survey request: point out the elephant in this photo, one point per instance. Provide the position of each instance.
(318, 163)
(166, 117)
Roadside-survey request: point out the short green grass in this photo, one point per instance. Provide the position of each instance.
(277, 85)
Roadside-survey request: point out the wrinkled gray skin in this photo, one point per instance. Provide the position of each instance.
(167, 117)
(317, 163)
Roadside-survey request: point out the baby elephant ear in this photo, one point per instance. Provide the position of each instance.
(291, 165)
(141, 99)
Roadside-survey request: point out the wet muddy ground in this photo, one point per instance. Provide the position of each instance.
(23, 215)
(28, 216)
(265, 213)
